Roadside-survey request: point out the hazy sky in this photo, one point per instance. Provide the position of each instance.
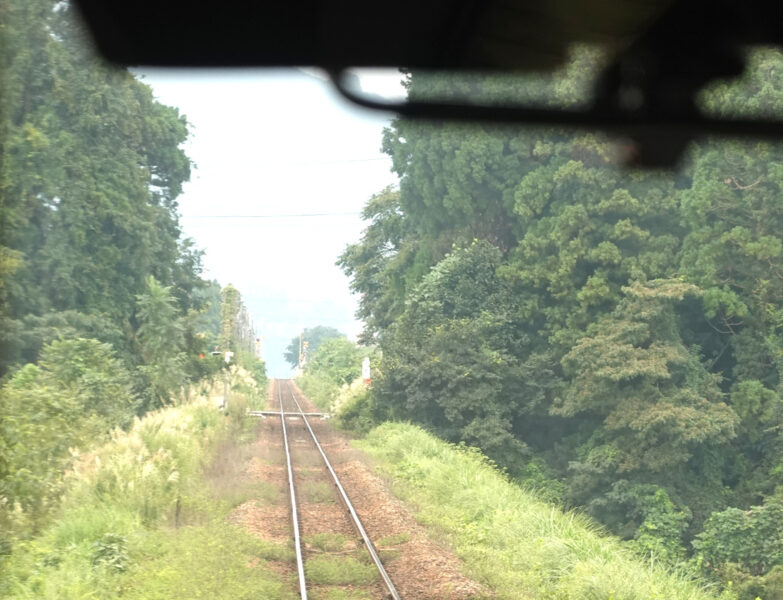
(271, 143)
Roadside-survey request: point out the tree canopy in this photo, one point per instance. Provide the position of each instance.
(612, 334)
(91, 170)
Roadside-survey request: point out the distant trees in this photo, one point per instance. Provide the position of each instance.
(311, 337)
(238, 336)
(161, 336)
(337, 359)
(331, 378)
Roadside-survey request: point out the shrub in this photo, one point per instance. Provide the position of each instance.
(354, 407)
(111, 550)
(77, 394)
(750, 538)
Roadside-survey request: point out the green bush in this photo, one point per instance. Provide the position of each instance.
(77, 393)
(319, 390)
(752, 539)
(354, 407)
(111, 550)
(332, 373)
(255, 367)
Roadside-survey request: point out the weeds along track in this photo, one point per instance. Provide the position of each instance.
(331, 544)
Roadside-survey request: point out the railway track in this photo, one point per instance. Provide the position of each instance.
(302, 447)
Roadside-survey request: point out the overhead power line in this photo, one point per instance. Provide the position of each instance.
(338, 160)
(325, 161)
(274, 216)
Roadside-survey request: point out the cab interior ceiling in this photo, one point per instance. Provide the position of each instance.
(661, 51)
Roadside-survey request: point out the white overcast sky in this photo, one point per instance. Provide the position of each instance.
(270, 143)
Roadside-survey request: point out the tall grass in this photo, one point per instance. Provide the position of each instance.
(139, 520)
(517, 545)
(247, 390)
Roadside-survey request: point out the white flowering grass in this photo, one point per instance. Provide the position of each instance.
(137, 521)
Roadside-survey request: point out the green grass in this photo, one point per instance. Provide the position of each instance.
(211, 562)
(339, 594)
(515, 544)
(317, 492)
(394, 539)
(327, 542)
(339, 570)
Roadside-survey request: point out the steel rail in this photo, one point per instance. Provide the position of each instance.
(294, 517)
(354, 516)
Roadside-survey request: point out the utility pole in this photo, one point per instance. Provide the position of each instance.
(227, 357)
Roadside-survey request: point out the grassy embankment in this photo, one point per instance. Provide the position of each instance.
(515, 544)
(144, 516)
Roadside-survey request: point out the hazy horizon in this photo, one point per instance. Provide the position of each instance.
(271, 143)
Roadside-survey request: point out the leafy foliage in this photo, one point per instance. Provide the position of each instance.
(377, 264)
(618, 333)
(338, 360)
(161, 337)
(451, 361)
(138, 520)
(91, 170)
(230, 307)
(331, 379)
(111, 550)
(752, 538)
(101, 301)
(77, 393)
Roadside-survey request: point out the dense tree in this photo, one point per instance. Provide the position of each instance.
(658, 415)
(618, 331)
(89, 178)
(161, 337)
(378, 264)
(451, 359)
(103, 312)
